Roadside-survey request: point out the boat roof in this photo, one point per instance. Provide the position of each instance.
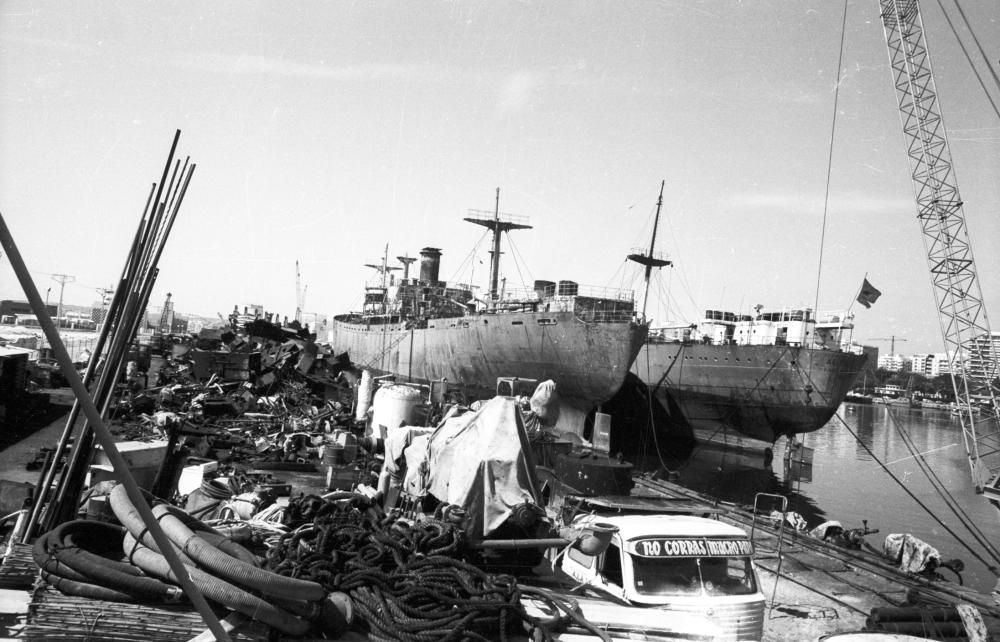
(642, 504)
(642, 526)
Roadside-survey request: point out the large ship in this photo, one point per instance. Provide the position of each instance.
(426, 330)
(772, 373)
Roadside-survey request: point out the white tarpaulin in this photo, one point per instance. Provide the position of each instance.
(479, 461)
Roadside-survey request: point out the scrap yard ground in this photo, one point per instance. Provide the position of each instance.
(821, 589)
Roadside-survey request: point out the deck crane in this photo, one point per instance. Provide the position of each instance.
(957, 292)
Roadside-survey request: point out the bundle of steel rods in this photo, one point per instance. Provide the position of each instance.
(125, 313)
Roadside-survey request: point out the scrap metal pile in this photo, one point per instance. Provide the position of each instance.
(340, 563)
(316, 565)
(265, 394)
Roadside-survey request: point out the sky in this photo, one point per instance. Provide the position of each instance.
(325, 133)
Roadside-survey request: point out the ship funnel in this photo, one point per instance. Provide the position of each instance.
(430, 264)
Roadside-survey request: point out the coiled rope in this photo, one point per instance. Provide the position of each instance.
(402, 577)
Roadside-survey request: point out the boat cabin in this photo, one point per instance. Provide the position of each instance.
(674, 562)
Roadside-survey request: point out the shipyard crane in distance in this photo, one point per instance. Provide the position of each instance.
(166, 323)
(964, 326)
(892, 342)
(300, 295)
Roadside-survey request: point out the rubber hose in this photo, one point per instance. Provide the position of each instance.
(223, 592)
(84, 589)
(231, 548)
(99, 569)
(212, 536)
(190, 520)
(99, 538)
(96, 570)
(232, 569)
(211, 558)
(49, 563)
(127, 514)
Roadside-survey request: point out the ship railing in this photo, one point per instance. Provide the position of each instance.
(605, 316)
(568, 289)
(438, 288)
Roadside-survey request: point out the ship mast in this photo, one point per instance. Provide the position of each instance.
(650, 259)
(383, 269)
(497, 223)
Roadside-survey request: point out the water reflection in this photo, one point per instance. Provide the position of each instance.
(860, 468)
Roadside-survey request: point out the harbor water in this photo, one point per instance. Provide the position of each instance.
(862, 469)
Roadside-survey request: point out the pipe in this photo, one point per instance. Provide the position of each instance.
(542, 542)
(99, 427)
(45, 483)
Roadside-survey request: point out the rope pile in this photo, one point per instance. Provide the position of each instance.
(400, 575)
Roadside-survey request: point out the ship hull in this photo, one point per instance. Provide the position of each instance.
(761, 392)
(588, 361)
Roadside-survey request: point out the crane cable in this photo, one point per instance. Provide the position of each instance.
(829, 160)
(968, 58)
(942, 491)
(973, 530)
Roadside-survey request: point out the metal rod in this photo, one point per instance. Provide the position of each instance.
(45, 484)
(652, 246)
(549, 542)
(105, 437)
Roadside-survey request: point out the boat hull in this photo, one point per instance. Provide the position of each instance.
(588, 361)
(761, 392)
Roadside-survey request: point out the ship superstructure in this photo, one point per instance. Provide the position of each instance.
(422, 329)
(763, 375)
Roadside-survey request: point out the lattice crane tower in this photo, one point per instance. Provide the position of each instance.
(959, 298)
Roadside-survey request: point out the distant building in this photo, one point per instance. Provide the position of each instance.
(10, 308)
(982, 354)
(940, 364)
(892, 362)
(920, 364)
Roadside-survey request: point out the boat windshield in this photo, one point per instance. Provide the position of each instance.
(693, 575)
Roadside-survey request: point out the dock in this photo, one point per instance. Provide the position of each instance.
(815, 588)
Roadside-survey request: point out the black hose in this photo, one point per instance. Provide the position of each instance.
(84, 589)
(50, 564)
(85, 551)
(98, 538)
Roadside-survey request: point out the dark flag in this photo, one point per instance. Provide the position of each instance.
(868, 294)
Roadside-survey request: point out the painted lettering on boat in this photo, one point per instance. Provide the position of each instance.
(662, 547)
